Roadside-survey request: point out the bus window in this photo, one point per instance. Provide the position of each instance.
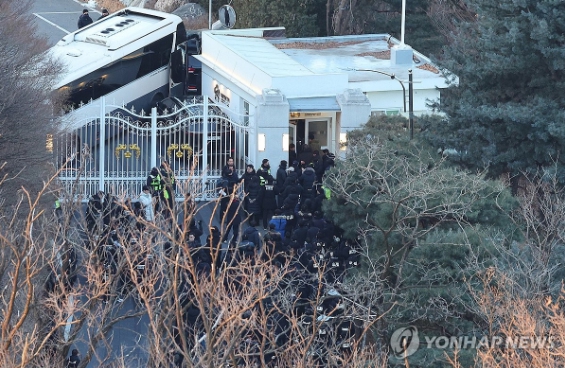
(155, 55)
(121, 72)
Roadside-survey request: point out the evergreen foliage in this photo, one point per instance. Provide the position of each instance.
(504, 110)
(425, 19)
(422, 222)
(299, 17)
(420, 31)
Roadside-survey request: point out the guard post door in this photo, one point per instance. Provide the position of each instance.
(320, 128)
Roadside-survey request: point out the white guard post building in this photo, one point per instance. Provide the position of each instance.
(251, 93)
(325, 86)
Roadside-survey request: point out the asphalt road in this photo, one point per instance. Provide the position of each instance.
(127, 338)
(54, 20)
(57, 18)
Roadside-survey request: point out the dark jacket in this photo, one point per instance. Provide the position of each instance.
(319, 222)
(195, 230)
(230, 174)
(312, 234)
(232, 214)
(246, 178)
(72, 361)
(253, 196)
(291, 179)
(168, 177)
(281, 178)
(214, 239)
(199, 253)
(94, 208)
(318, 201)
(268, 197)
(292, 156)
(328, 161)
(274, 250)
(308, 178)
(298, 237)
(318, 165)
(252, 234)
(290, 189)
(104, 208)
(291, 200)
(306, 155)
(84, 20)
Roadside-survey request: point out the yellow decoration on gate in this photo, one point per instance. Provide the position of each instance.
(171, 148)
(135, 147)
(119, 149)
(187, 148)
(127, 154)
(179, 150)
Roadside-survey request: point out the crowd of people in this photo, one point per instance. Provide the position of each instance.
(295, 236)
(264, 216)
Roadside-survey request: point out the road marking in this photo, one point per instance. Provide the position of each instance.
(72, 12)
(53, 24)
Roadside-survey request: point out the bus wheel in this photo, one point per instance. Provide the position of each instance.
(156, 98)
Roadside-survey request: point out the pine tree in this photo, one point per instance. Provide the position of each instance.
(504, 110)
(299, 17)
(420, 221)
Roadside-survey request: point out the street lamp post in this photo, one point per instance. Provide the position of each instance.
(410, 95)
(209, 14)
(410, 103)
(392, 76)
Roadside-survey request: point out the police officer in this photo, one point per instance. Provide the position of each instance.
(264, 172)
(58, 210)
(104, 14)
(156, 183)
(73, 360)
(94, 211)
(84, 19)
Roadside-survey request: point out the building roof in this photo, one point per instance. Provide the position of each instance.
(264, 56)
(352, 54)
(319, 66)
(252, 63)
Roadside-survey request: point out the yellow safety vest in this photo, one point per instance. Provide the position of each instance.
(156, 183)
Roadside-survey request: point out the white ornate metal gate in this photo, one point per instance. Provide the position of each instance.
(116, 150)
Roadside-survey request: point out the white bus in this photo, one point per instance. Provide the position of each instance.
(135, 57)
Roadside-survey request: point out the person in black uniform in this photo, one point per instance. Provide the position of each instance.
(104, 14)
(84, 19)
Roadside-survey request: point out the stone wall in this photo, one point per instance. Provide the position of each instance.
(169, 5)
